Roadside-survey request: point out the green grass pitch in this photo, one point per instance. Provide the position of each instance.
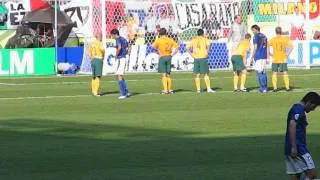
(51, 128)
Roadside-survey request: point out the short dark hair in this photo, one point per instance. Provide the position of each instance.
(162, 31)
(311, 97)
(247, 36)
(278, 30)
(236, 16)
(200, 32)
(115, 32)
(256, 27)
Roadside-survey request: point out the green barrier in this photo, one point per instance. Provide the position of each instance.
(27, 62)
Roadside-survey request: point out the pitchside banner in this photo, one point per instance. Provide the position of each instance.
(192, 13)
(27, 62)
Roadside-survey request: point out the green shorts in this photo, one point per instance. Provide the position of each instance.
(164, 64)
(237, 63)
(200, 66)
(281, 67)
(96, 65)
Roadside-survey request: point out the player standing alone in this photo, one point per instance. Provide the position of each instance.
(298, 159)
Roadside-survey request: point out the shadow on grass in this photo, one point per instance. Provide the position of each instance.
(52, 149)
(109, 93)
(182, 90)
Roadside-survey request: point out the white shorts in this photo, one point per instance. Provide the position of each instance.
(300, 164)
(260, 65)
(120, 66)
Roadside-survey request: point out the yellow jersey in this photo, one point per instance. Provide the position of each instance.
(242, 48)
(200, 46)
(96, 50)
(164, 45)
(279, 45)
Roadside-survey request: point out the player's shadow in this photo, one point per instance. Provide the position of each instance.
(109, 93)
(135, 94)
(181, 90)
(256, 88)
(214, 88)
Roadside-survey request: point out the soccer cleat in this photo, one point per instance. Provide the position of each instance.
(96, 95)
(243, 90)
(236, 90)
(128, 94)
(288, 90)
(210, 91)
(275, 90)
(198, 91)
(122, 97)
(164, 92)
(170, 92)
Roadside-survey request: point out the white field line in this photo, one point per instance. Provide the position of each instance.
(148, 94)
(127, 74)
(130, 80)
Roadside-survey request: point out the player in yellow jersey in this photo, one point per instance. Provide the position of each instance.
(239, 59)
(281, 50)
(166, 47)
(96, 53)
(198, 48)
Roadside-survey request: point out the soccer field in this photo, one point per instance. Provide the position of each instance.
(51, 128)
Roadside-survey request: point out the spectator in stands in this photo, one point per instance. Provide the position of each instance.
(297, 24)
(212, 27)
(150, 23)
(123, 29)
(49, 33)
(316, 35)
(150, 27)
(132, 25)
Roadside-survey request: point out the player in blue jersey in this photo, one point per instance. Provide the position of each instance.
(122, 47)
(259, 56)
(298, 159)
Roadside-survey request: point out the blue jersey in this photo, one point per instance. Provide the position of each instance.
(123, 44)
(297, 113)
(261, 41)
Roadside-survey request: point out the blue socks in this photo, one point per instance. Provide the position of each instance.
(123, 87)
(263, 81)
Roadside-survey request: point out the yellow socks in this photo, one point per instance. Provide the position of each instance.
(274, 82)
(93, 86)
(169, 81)
(97, 85)
(207, 81)
(235, 81)
(165, 84)
(286, 81)
(243, 80)
(197, 82)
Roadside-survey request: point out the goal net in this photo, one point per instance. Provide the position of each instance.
(140, 20)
